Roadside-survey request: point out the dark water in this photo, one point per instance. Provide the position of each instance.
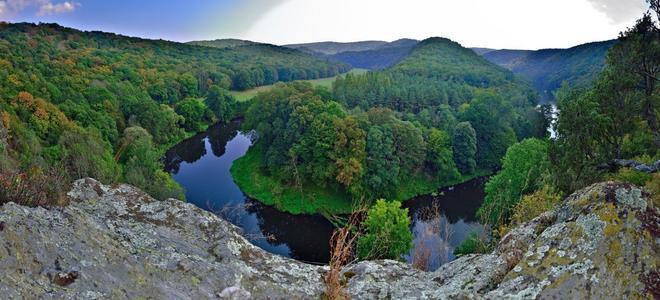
(201, 165)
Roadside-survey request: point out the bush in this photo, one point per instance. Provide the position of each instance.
(631, 176)
(533, 205)
(387, 234)
(653, 186)
(524, 166)
(473, 244)
(34, 188)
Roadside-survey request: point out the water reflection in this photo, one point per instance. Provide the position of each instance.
(201, 165)
(442, 223)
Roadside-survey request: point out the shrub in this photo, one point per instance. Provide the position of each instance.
(533, 205)
(522, 172)
(631, 176)
(35, 187)
(653, 186)
(387, 234)
(473, 244)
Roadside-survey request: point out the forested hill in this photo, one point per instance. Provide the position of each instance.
(236, 68)
(548, 68)
(79, 104)
(440, 116)
(223, 43)
(330, 48)
(448, 60)
(381, 57)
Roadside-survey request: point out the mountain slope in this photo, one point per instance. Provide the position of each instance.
(330, 48)
(378, 58)
(448, 60)
(73, 103)
(223, 43)
(548, 68)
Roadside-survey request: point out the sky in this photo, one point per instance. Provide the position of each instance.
(513, 24)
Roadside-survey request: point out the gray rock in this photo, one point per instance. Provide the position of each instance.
(117, 242)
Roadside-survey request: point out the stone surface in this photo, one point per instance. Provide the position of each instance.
(117, 242)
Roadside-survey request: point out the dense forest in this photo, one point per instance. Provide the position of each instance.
(76, 104)
(547, 69)
(441, 115)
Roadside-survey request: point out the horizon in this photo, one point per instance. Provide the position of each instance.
(305, 43)
(512, 24)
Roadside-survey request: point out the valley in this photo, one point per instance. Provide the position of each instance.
(228, 167)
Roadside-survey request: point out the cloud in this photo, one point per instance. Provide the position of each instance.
(50, 8)
(619, 11)
(9, 8)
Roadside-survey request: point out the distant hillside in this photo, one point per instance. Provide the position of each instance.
(330, 48)
(223, 43)
(379, 58)
(482, 51)
(548, 68)
(448, 60)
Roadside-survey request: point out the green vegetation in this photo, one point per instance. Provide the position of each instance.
(533, 205)
(547, 69)
(89, 104)
(616, 118)
(386, 233)
(522, 170)
(473, 244)
(246, 95)
(370, 144)
(247, 173)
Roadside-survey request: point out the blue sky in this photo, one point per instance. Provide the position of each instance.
(526, 24)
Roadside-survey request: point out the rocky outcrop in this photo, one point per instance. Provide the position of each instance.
(637, 166)
(117, 242)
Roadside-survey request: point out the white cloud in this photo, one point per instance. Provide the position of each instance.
(9, 8)
(620, 10)
(50, 8)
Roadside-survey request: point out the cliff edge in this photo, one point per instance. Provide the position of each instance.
(117, 242)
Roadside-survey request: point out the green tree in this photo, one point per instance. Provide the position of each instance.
(489, 115)
(465, 147)
(85, 154)
(188, 84)
(387, 234)
(522, 170)
(382, 163)
(220, 102)
(143, 167)
(194, 113)
(441, 155)
(634, 64)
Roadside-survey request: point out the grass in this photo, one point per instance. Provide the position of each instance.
(246, 95)
(313, 199)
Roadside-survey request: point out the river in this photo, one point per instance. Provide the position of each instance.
(201, 165)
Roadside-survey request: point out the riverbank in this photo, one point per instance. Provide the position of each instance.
(314, 199)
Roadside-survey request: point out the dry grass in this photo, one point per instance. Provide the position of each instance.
(34, 187)
(342, 253)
